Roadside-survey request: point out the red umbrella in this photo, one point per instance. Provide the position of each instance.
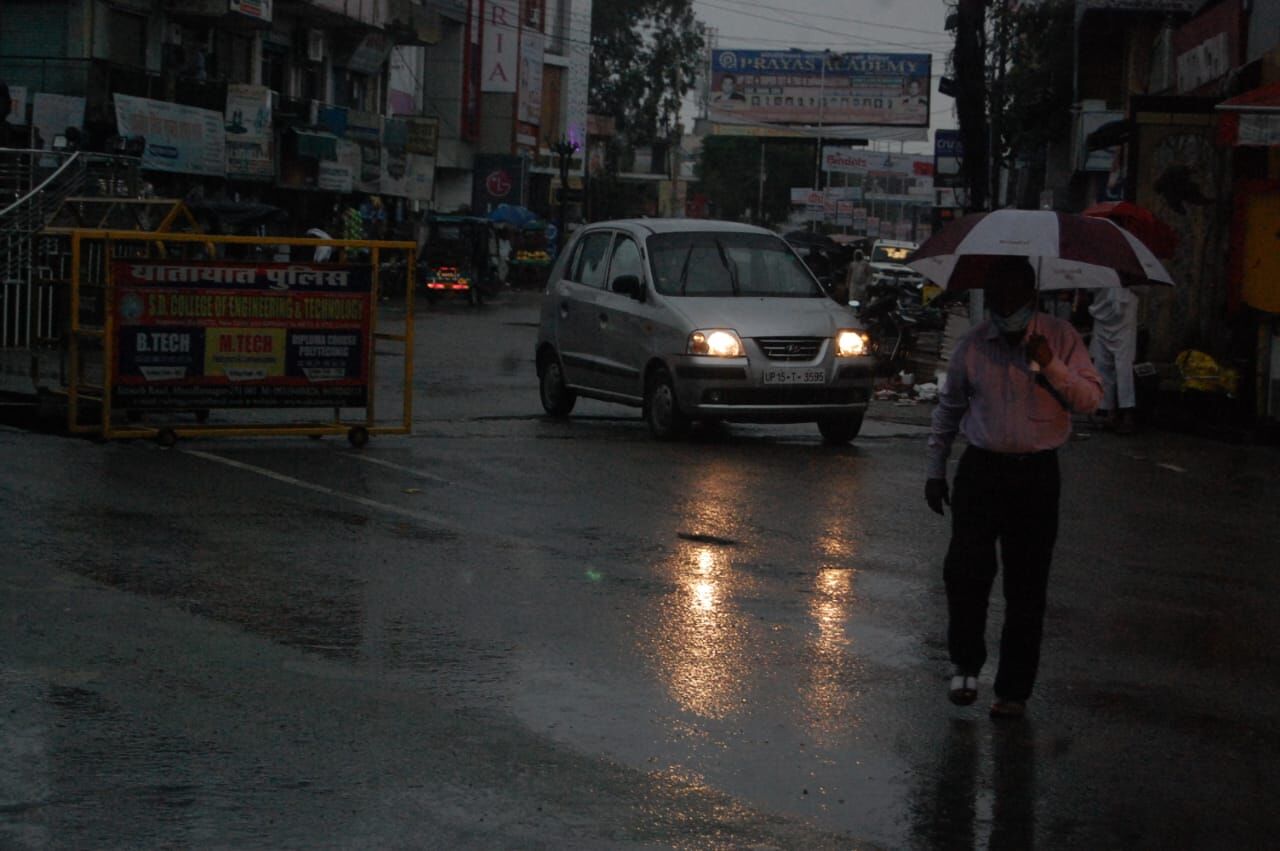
(1139, 221)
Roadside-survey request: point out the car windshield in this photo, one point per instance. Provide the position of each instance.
(707, 263)
(890, 254)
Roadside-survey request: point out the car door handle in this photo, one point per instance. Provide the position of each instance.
(564, 308)
(604, 319)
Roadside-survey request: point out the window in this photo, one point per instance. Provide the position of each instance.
(234, 57)
(275, 63)
(728, 264)
(589, 265)
(127, 39)
(626, 260)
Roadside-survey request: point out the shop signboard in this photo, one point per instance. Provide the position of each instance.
(529, 99)
(335, 176)
(423, 136)
(577, 95)
(948, 157)
(812, 88)
(501, 34)
(250, 140)
(212, 334)
(258, 10)
(179, 138)
(499, 179)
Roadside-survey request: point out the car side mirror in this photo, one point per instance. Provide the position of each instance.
(629, 285)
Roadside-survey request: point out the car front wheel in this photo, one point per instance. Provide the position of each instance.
(557, 399)
(840, 430)
(661, 409)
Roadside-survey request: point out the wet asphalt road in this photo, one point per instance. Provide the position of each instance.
(508, 632)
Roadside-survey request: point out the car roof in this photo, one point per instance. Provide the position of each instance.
(680, 226)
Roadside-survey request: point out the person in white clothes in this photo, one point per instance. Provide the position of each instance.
(1113, 347)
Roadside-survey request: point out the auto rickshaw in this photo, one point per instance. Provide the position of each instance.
(459, 258)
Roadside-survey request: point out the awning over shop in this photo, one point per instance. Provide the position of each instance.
(315, 144)
(1251, 118)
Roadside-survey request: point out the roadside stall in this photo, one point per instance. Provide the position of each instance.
(530, 259)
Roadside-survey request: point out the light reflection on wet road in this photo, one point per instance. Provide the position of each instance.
(519, 633)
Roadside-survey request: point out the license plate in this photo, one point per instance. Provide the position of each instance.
(795, 376)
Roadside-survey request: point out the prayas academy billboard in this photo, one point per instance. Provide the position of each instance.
(810, 88)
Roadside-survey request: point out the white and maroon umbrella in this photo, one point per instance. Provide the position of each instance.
(1068, 251)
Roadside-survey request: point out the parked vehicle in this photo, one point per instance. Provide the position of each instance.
(699, 320)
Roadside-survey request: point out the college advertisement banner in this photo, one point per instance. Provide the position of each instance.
(209, 334)
(178, 138)
(799, 87)
(250, 140)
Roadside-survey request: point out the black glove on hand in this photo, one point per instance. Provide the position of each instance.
(936, 494)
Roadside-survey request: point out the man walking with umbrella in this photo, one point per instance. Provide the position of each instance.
(1012, 384)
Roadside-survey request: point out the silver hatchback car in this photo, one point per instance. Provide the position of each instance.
(699, 320)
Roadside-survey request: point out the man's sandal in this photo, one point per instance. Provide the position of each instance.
(964, 690)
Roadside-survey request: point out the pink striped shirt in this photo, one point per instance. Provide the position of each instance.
(992, 398)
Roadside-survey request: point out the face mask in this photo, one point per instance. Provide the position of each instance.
(1014, 323)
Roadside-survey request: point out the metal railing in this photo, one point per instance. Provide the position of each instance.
(27, 308)
(34, 187)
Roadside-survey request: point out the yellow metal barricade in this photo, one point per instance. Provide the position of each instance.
(221, 322)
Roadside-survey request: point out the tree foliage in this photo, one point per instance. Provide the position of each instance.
(1037, 85)
(645, 56)
(729, 173)
(1013, 66)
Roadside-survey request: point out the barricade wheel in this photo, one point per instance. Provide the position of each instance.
(167, 437)
(358, 435)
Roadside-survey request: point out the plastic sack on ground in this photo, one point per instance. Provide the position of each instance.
(1201, 372)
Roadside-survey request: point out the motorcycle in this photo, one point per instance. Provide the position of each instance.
(892, 330)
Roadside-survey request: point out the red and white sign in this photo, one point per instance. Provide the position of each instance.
(498, 63)
(498, 183)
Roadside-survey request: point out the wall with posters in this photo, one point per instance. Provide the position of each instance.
(250, 137)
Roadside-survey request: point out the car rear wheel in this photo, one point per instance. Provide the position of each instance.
(661, 409)
(840, 430)
(557, 399)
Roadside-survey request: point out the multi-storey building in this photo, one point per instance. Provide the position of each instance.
(428, 104)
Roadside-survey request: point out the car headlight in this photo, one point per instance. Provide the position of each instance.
(717, 342)
(850, 343)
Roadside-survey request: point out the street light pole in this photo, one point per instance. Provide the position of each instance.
(817, 153)
(563, 149)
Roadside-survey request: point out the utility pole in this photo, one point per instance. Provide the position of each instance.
(970, 62)
(817, 153)
(760, 189)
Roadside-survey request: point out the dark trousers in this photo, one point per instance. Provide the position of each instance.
(1013, 500)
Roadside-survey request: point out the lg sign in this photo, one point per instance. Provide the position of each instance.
(498, 183)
